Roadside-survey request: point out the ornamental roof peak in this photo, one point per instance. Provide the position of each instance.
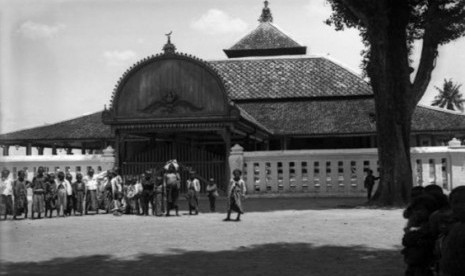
(169, 47)
(266, 14)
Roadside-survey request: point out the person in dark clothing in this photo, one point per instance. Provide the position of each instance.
(370, 182)
(212, 193)
(147, 193)
(418, 241)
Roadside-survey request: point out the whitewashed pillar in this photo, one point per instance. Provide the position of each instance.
(457, 160)
(236, 158)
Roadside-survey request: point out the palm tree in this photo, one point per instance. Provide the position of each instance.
(449, 96)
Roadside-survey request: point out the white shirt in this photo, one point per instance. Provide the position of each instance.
(240, 184)
(194, 183)
(6, 186)
(66, 184)
(91, 182)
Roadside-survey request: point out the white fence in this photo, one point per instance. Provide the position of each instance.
(53, 163)
(340, 172)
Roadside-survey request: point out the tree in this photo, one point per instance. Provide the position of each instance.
(449, 96)
(389, 29)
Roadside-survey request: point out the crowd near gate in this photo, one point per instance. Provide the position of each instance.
(207, 162)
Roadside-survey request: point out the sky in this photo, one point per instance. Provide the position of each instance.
(60, 59)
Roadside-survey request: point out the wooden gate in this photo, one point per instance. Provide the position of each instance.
(206, 160)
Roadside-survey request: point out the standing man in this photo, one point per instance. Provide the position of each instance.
(20, 194)
(38, 193)
(212, 193)
(236, 192)
(158, 197)
(6, 194)
(62, 187)
(91, 191)
(117, 191)
(193, 189)
(147, 193)
(370, 182)
(172, 183)
(69, 193)
(79, 192)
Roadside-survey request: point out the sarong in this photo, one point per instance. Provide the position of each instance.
(172, 195)
(62, 200)
(192, 199)
(91, 200)
(6, 205)
(235, 202)
(38, 203)
(50, 201)
(158, 204)
(78, 201)
(107, 200)
(20, 204)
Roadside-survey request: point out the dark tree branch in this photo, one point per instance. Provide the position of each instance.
(428, 56)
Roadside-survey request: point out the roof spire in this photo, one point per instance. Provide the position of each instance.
(266, 14)
(169, 47)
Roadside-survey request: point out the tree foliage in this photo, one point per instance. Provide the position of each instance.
(436, 22)
(389, 29)
(449, 96)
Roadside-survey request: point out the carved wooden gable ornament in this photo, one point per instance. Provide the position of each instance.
(169, 87)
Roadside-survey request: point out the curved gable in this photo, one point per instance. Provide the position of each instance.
(170, 86)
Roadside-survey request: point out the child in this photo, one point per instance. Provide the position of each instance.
(6, 194)
(193, 188)
(158, 197)
(370, 182)
(418, 241)
(79, 192)
(20, 193)
(212, 193)
(236, 191)
(453, 247)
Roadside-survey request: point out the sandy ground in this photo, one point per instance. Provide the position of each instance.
(275, 237)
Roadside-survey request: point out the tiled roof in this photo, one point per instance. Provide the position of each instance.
(278, 78)
(338, 117)
(437, 119)
(290, 117)
(265, 36)
(81, 128)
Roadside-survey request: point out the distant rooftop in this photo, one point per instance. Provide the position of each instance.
(265, 40)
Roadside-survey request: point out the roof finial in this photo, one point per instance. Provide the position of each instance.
(169, 47)
(266, 14)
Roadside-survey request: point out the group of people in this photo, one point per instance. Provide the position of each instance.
(434, 237)
(155, 191)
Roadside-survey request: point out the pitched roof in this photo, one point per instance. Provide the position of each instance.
(280, 78)
(289, 117)
(266, 39)
(86, 127)
(340, 117)
(437, 119)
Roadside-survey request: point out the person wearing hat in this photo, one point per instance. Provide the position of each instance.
(212, 193)
(193, 189)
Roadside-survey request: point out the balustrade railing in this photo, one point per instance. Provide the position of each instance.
(341, 172)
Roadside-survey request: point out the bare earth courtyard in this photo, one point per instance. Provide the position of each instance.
(303, 236)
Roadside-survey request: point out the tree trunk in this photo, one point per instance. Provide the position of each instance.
(388, 70)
